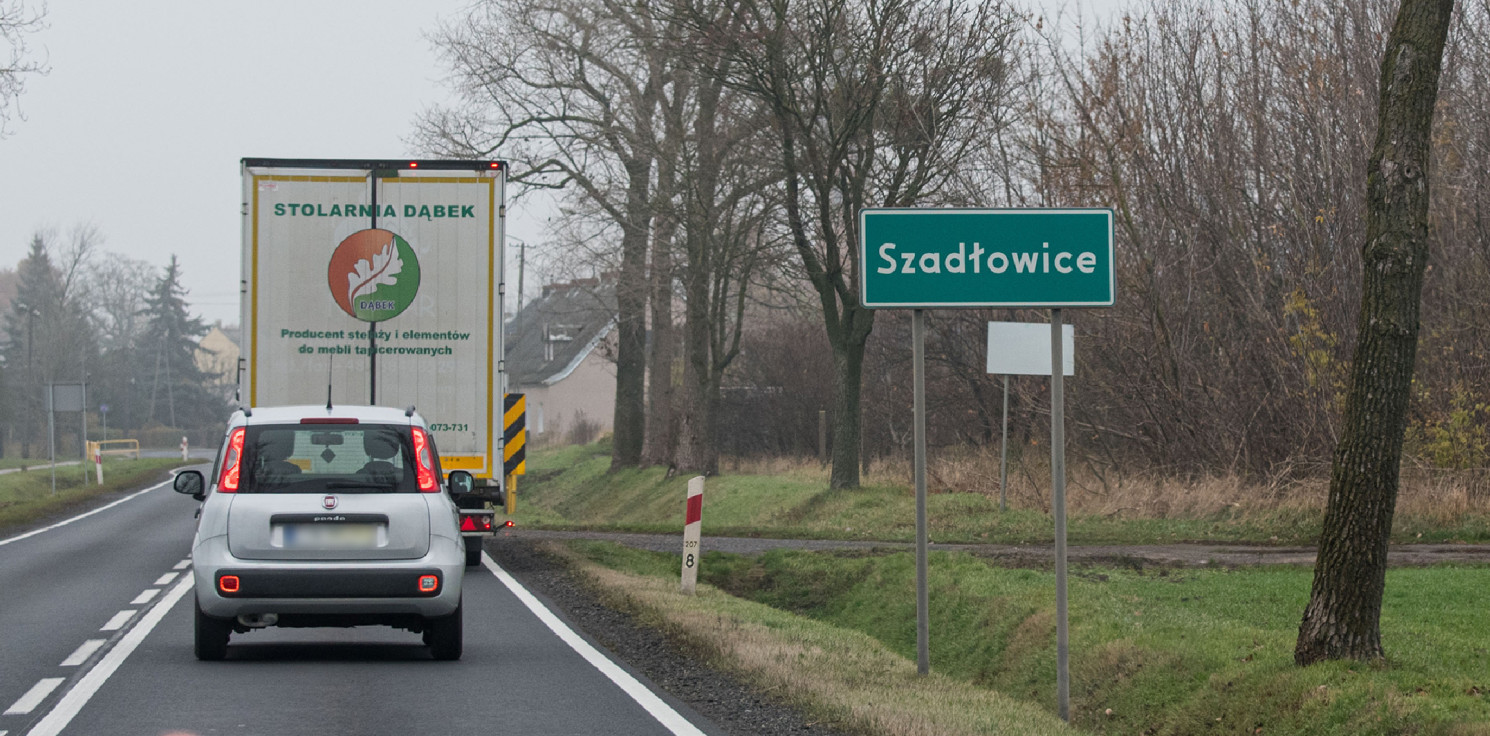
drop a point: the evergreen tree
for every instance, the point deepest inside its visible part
(29, 354)
(176, 389)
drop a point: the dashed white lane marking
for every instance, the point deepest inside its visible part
(145, 596)
(166, 578)
(34, 696)
(669, 718)
(83, 653)
(182, 565)
(73, 700)
(119, 620)
(98, 510)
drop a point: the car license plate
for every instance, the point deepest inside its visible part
(329, 536)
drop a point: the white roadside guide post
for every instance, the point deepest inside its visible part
(920, 259)
(183, 450)
(98, 461)
(693, 519)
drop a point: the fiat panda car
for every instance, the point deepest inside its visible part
(322, 516)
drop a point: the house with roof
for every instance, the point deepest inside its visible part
(560, 356)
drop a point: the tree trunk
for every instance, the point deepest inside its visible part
(661, 418)
(1342, 619)
(629, 423)
(848, 369)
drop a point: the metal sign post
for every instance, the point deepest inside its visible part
(1058, 509)
(923, 598)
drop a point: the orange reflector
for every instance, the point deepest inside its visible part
(428, 583)
(228, 583)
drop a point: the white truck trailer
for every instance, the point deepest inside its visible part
(379, 282)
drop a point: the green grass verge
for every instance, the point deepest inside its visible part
(1168, 652)
(573, 488)
(833, 674)
(26, 497)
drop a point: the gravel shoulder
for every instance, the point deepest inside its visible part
(731, 705)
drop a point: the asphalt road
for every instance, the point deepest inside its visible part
(96, 635)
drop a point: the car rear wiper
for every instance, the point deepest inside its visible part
(371, 485)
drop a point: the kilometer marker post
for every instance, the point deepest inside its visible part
(693, 520)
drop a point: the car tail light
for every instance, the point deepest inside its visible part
(429, 583)
(228, 584)
(232, 465)
(425, 462)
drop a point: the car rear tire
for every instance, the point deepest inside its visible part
(211, 636)
(443, 635)
(473, 552)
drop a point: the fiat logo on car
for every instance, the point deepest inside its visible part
(329, 502)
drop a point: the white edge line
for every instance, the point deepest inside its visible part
(84, 515)
(648, 700)
(34, 696)
(73, 700)
(82, 653)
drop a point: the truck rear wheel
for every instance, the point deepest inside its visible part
(473, 551)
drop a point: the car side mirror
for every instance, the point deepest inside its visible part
(191, 483)
(460, 482)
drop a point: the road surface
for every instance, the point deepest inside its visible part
(96, 638)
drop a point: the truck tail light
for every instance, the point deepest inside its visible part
(232, 465)
(475, 522)
(424, 460)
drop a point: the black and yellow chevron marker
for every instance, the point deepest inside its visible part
(514, 435)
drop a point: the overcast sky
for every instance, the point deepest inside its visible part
(139, 127)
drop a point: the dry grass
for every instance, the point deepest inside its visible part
(841, 676)
(1434, 494)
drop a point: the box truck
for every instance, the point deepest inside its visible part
(379, 282)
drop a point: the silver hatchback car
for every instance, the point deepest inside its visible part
(321, 516)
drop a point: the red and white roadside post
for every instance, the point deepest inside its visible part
(692, 522)
(183, 450)
(98, 461)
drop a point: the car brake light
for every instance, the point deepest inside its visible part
(329, 420)
(228, 583)
(429, 583)
(425, 463)
(232, 465)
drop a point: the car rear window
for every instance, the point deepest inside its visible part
(363, 458)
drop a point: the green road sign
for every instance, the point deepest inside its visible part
(935, 258)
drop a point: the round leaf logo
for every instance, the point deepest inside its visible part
(373, 275)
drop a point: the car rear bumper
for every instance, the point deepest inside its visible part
(381, 587)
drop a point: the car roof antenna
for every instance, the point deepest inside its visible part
(329, 358)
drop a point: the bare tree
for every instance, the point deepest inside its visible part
(569, 90)
(873, 104)
(16, 23)
(1342, 619)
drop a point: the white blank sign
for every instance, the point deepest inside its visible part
(1023, 349)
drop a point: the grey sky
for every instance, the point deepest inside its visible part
(149, 106)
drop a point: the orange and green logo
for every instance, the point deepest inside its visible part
(373, 275)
